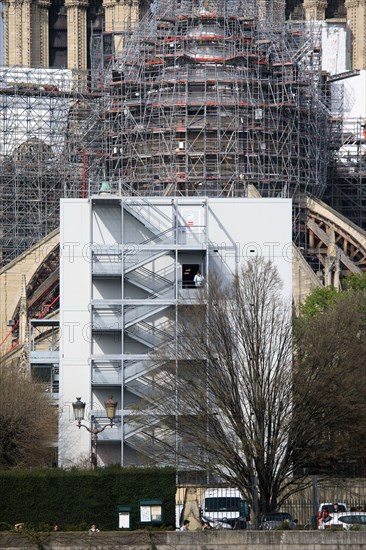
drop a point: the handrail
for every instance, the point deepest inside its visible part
(156, 275)
(150, 277)
(157, 236)
(148, 204)
(148, 328)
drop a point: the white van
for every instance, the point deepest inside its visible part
(225, 508)
(328, 513)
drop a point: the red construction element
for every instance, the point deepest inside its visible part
(10, 332)
(43, 312)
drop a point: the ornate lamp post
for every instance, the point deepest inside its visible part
(79, 409)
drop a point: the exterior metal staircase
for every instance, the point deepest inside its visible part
(134, 369)
(149, 215)
(160, 288)
(148, 335)
(134, 426)
(107, 318)
(153, 449)
(141, 387)
(154, 284)
(141, 258)
(135, 314)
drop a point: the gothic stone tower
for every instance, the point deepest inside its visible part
(356, 15)
(45, 33)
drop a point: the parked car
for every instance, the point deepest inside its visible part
(346, 520)
(278, 520)
(327, 508)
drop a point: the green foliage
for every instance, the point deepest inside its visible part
(285, 526)
(330, 384)
(322, 298)
(355, 281)
(77, 498)
(318, 301)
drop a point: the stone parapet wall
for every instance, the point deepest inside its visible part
(168, 540)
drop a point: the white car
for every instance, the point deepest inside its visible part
(347, 520)
(327, 509)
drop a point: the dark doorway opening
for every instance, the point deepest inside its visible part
(189, 271)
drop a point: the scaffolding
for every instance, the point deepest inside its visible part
(47, 134)
(208, 97)
(346, 191)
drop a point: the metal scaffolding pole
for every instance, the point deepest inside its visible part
(208, 97)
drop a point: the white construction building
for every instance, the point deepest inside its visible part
(126, 263)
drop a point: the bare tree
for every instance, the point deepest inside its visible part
(226, 386)
(240, 395)
(28, 420)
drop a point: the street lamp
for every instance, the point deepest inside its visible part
(79, 409)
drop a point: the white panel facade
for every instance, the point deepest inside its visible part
(355, 97)
(74, 323)
(354, 119)
(134, 261)
(336, 46)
